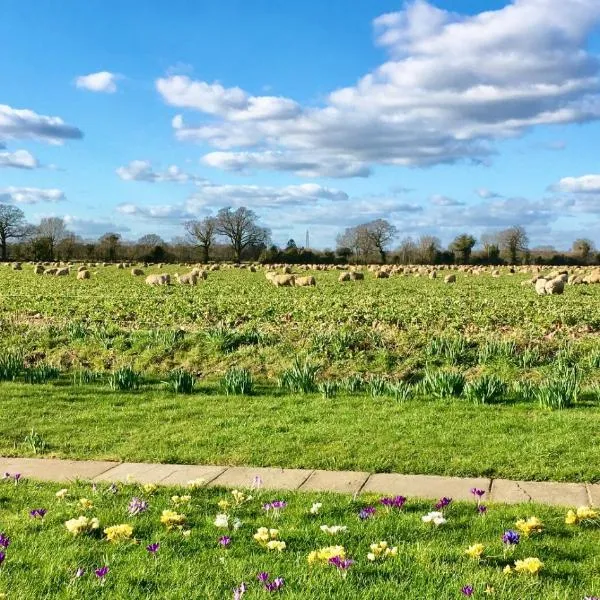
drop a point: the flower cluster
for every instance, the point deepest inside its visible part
(333, 529)
(529, 526)
(435, 517)
(38, 513)
(583, 513)
(137, 506)
(366, 513)
(270, 586)
(82, 525)
(269, 539)
(394, 502)
(171, 519)
(85, 504)
(118, 533)
(530, 565)
(324, 555)
(381, 551)
(179, 500)
(475, 551)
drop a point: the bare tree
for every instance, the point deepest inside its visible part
(513, 241)
(202, 234)
(359, 240)
(382, 233)
(53, 230)
(240, 227)
(12, 226)
(428, 248)
(583, 248)
(407, 251)
(462, 247)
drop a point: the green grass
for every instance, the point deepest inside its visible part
(43, 557)
(357, 432)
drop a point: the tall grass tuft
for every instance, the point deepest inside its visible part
(455, 350)
(443, 384)
(495, 349)
(400, 390)
(378, 386)
(125, 379)
(485, 389)
(11, 365)
(328, 389)
(561, 391)
(86, 376)
(237, 381)
(353, 383)
(40, 373)
(301, 377)
(181, 381)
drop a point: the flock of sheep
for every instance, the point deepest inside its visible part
(281, 275)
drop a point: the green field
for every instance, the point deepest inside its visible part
(430, 563)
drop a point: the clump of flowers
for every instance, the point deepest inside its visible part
(82, 524)
(137, 506)
(381, 551)
(224, 541)
(324, 555)
(101, 573)
(270, 586)
(275, 507)
(179, 500)
(315, 508)
(118, 533)
(240, 497)
(530, 565)
(333, 529)
(443, 503)
(171, 519)
(85, 504)
(467, 590)
(263, 535)
(196, 483)
(366, 513)
(341, 564)
(153, 548)
(583, 513)
(62, 494)
(222, 521)
(435, 517)
(393, 502)
(4, 541)
(239, 591)
(38, 513)
(149, 488)
(475, 551)
(529, 526)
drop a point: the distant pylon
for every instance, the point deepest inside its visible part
(307, 240)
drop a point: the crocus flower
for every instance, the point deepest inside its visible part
(80, 572)
(443, 502)
(467, 591)
(343, 564)
(239, 591)
(263, 576)
(395, 502)
(101, 572)
(4, 540)
(225, 541)
(137, 506)
(275, 585)
(257, 482)
(511, 538)
(38, 513)
(17, 477)
(366, 513)
(477, 492)
(153, 548)
(481, 509)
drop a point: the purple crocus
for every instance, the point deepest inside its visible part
(343, 564)
(153, 548)
(275, 506)
(239, 591)
(481, 509)
(137, 506)
(394, 502)
(443, 503)
(510, 538)
(4, 540)
(263, 577)
(468, 591)
(2, 557)
(275, 585)
(38, 513)
(366, 513)
(80, 572)
(17, 477)
(478, 493)
(257, 482)
(101, 572)
(225, 540)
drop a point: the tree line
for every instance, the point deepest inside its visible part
(237, 235)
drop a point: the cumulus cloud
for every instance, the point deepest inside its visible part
(586, 184)
(102, 81)
(27, 124)
(93, 227)
(440, 200)
(487, 194)
(30, 195)
(429, 103)
(155, 211)
(141, 170)
(19, 159)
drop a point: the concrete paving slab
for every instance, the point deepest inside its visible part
(594, 493)
(270, 478)
(186, 473)
(544, 492)
(349, 482)
(54, 469)
(137, 473)
(425, 486)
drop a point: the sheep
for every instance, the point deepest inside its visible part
(305, 281)
(187, 278)
(38, 269)
(81, 268)
(283, 280)
(50, 271)
(137, 272)
(17, 267)
(433, 274)
(344, 276)
(356, 276)
(163, 279)
(540, 286)
(382, 275)
(450, 278)
(555, 286)
(83, 274)
(62, 272)
(495, 273)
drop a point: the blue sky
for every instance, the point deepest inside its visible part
(441, 116)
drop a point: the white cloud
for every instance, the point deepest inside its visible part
(584, 184)
(487, 194)
(431, 102)
(102, 81)
(93, 227)
(30, 195)
(141, 170)
(440, 200)
(27, 124)
(19, 159)
(164, 211)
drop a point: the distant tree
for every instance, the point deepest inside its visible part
(513, 241)
(291, 244)
(583, 248)
(491, 247)
(202, 233)
(12, 226)
(150, 240)
(382, 233)
(407, 251)
(344, 253)
(67, 247)
(462, 246)
(241, 228)
(108, 246)
(428, 249)
(53, 230)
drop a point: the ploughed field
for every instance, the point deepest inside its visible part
(482, 376)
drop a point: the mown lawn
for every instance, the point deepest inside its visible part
(42, 557)
(357, 432)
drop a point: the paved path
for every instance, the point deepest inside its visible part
(353, 482)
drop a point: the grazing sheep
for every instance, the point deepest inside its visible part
(450, 278)
(287, 270)
(187, 278)
(163, 279)
(555, 286)
(344, 276)
(382, 275)
(283, 280)
(50, 271)
(17, 267)
(433, 275)
(540, 286)
(38, 269)
(495, 273)
(83, 275)
(305, 281)
(356, 276)
(62, 272)
(137, 272)
(81, 268)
